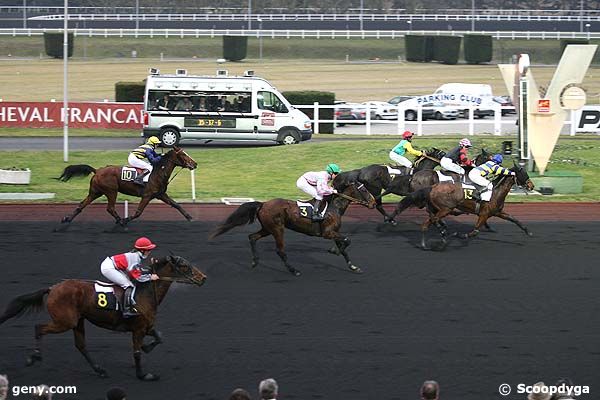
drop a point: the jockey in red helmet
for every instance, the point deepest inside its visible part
(398, 152)
(126, 268)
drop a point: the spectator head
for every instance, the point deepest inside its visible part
(116, 393)
(562, 392)
(268, 389)
(240, 394)
(430, 390)
(3, 387)
(540, 392)
(43, 393)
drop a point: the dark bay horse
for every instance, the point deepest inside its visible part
(427, 178)
(277, 214)
(107, 181)
(71, 302)
(376, 178)
(443, 198)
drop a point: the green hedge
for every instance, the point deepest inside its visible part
(446, 49)
(235, 48)
(129, 92)
(53, 44)
(309, 97)
(478, 48)
(419, 48)
(565, 42)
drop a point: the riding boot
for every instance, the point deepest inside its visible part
(139, 179)
(477, 194)
(129, 309)
(316, 216)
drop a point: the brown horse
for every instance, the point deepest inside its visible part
(107, 181)
(443, 198)
(277, 214)
(71, 302)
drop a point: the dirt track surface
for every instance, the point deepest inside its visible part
(157, 211)
(503, 308)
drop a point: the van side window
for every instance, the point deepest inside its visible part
(270, 101)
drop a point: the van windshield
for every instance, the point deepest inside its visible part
(199, 101)
(270, 101)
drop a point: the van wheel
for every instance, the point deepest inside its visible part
(410, 115)
(289, 137)
(169, 137)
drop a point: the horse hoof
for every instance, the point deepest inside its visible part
(254, 264)
(529, 233)
(295, 272)
(188, 217)
(101, 372)
(355, 269)
(65, 220)
(35, 357)
(148, 377)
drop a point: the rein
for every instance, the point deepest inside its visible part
(345, 196)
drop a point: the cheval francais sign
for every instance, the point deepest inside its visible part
(81, 115)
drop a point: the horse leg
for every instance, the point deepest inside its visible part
(41, 330)
(83, 204)
(342, 242)
(110, 207)
(143, 203)
(253, 238)
(487, 226)
(138, 341)
(147, 348)
(79, 334)
(508, 217)
(165, 198)
(278, 235)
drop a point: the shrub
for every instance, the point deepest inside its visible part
(309, 97)
(478, 48)
(53, 44)
(235, 48)
(130, 92)
(419, 48)
(446, 49)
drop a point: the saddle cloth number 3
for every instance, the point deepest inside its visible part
(106, 301)
(306, 211)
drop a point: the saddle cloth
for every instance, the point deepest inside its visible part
(306, 208)
(468, 192)
(130, 173)
(398, 170)
(444, 178)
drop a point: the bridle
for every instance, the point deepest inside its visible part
(354, 200)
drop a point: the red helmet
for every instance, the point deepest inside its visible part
(144, 243)
(407, 135)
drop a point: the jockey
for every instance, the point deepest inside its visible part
(316, 185)
(397, 153)
(143, 157)
(478, 175)
(456, 158)
(124, 268)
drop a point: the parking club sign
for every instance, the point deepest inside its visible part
(543, 106)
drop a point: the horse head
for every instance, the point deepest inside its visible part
(483, 157)
(178, 267)
(435, 153)
(359, 192)
(180, 158)
(522, 177)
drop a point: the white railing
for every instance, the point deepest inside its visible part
(587, 17)
(470, 126)
(291, 33)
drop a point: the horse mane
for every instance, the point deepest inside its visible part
(164, 158)
(436, 153)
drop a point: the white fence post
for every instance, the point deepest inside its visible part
(419, 121)
(401, 121)
(573, 123)
(368, 119)
(126, 209)
(316, 117)
(471, 120)
(193, 177)
(497, 119)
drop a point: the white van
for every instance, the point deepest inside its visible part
(184, 107)
(466, 94)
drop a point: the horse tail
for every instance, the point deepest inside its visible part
(245, 214)
(75, 170)
(23, 304)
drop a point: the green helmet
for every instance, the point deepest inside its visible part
(333, 169)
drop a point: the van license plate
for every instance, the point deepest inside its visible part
(211, 123)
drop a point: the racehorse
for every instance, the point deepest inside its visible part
(277, 214)
(427, 178)
(107, 181)
(441, 199)
(376, 178)
(71, 302)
